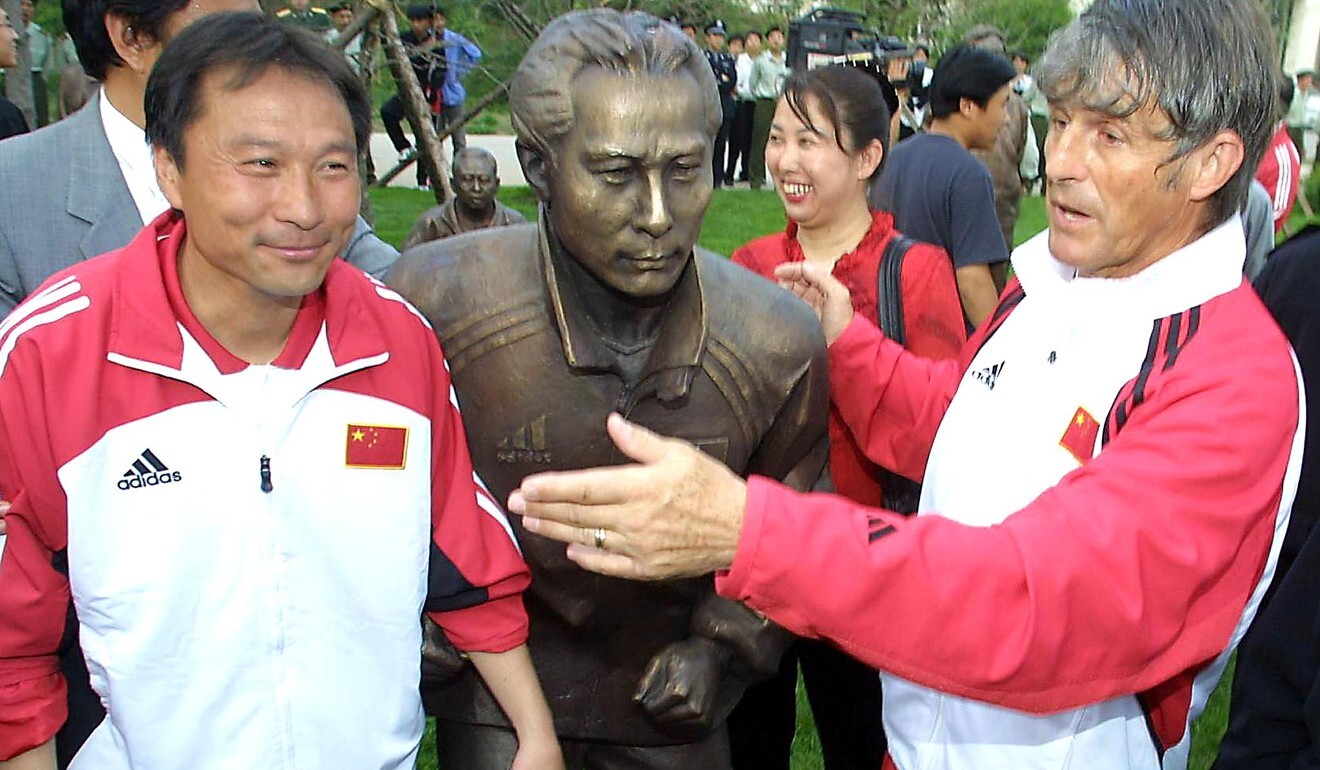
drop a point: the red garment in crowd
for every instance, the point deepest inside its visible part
(1280, 171)
(932, 315)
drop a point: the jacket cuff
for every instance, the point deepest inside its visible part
(734, 583)
(31, 712)
(498, 625)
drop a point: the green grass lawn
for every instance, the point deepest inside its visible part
(735, 217)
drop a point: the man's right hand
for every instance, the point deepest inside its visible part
(828, 297)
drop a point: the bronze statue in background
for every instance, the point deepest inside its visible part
(605, 304)
(476, 182)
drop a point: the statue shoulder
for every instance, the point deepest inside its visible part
(452, 278)
(754, 316)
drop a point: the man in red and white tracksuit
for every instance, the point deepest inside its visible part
(247, 519)
(209, 522)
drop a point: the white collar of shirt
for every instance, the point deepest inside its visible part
(1194, 274)
(129, 144)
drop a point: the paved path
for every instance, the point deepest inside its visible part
(383, 153)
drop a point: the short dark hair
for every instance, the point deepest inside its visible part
(85, 21)
(967, 72)
(738, 38)
(420, 11)
(247, 45)
(773, 29)
(849, 98)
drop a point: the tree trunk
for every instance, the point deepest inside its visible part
(415, 107)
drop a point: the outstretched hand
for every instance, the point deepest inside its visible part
(822, 291)
(675, 513)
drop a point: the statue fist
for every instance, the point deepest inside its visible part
(440, 660)
(680, 685)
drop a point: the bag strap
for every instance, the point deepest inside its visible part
(889, 296)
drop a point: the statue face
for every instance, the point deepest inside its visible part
(475, 184)
(630, 182)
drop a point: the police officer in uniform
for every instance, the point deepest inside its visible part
(725, 68)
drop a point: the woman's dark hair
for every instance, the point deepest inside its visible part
(85, 21)
(967, 72)
(247, 45)
(849, 99)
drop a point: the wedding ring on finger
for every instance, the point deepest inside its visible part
(599, 535)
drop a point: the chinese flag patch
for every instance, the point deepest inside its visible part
(1079, 438)
(375, 446)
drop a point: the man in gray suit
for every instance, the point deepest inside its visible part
(86, 185)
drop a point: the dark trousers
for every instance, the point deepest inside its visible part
(761, 120)
(740, 139)
(477, 747)
(845, 702)
(40, 99)
(392, 114)
(722, 142)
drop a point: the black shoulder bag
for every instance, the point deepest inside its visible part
(898, 493)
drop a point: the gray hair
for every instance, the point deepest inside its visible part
(623, 43)
(1206, 65)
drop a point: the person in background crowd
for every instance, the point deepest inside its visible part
(41, 52)
(766, 81)
(341, 16)
(460, 55)
(689, 29)
(938, 192)
(305, 15)
(428, 64)
(1280, 170)
(231, 316)
(828, 139)
(12, 121)
(476, 184)
(1005, 158)
(1300, 118)
(1108, 468)
(740, 140)
(725, 68)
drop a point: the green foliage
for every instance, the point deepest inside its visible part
(47, 13)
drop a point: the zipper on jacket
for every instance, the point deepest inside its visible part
(266, 485)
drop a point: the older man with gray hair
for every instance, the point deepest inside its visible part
(1108, 470)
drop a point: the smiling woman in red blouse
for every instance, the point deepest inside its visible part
(828, 140)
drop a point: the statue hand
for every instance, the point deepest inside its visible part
(680, 684)
(440, 660)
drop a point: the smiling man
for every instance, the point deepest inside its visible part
(605, 303)
(1108, 470)
(238, 459)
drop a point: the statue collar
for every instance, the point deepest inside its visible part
(675, 356)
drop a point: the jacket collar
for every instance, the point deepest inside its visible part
(98, 194)
(676, 355)
(1190, 276)
(150, 317)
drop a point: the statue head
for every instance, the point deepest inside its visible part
(476, 181)
(616, 114)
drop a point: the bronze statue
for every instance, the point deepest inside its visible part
(476, 182)
(605, 304)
